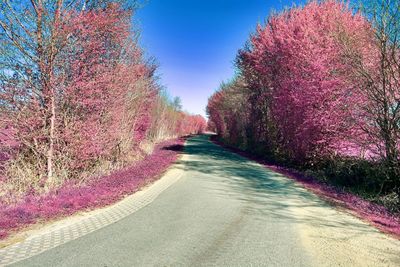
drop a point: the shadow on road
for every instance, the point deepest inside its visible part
(265, 192)
(174, 148)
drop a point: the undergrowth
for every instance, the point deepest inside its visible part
(363, 178)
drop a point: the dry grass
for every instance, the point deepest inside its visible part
(25, 175)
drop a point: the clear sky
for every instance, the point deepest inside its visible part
(196, 41)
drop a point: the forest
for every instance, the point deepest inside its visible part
(317, 89)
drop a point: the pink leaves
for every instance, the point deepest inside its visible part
(104, 65)
(191, 124)
(296, 82)
(98, 111)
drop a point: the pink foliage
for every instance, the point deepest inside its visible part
(214, 111)
(94, 107)
(311, 96)
(191, 124)
(99, 192)
(297, 93)
(304, 100)
(100, 82)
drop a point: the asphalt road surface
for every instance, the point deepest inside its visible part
(228, 211)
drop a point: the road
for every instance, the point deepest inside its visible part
(228, 211)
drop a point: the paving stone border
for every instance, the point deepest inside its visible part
(88, 223)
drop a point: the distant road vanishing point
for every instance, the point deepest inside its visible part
(225, 210)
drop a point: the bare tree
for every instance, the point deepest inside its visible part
(31, 40)
(32, 33)
(375, 63)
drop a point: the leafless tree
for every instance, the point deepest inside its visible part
(377, 73)
(30, 42)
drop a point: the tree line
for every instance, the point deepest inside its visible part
(78, 97)
(318, 88)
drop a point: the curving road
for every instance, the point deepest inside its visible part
(228, 211)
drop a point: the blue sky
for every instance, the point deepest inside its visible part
(195, 42)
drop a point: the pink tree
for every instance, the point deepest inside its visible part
(99, 104)
(109, 90)
(298, 56)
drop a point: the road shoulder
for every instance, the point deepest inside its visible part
(36, 241)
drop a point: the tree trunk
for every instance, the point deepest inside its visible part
(50, 153)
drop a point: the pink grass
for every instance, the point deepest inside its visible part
(376, 215)
(101, 192)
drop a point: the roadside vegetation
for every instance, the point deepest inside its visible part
(78, 98)
(97, 192)
(317, 89)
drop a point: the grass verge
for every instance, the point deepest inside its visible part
(100, 192)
